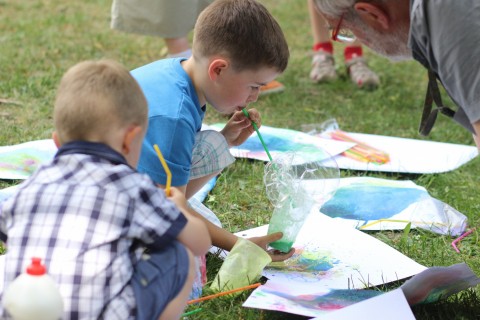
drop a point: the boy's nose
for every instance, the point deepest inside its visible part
(253, 97)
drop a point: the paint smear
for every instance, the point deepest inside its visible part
(333, 300)
(371, 202)
(306, 261)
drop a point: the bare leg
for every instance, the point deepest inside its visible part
(194, 185)
(177, 306)
(323, 64)
(318, 24)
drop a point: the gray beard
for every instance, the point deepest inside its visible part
(394, 46)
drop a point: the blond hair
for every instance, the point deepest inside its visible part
(94, 97)
(243, 31)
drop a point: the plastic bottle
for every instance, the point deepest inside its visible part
(289, 218)
(33, 295)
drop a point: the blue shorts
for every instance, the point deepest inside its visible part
(158, 278)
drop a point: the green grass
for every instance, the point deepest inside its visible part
(39, 40)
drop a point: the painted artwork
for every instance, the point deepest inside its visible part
(20, 161)
(331, 266)
(381, 204)
(437, 283)
(391, 305)
(408, 155)
(330, 255)
(279, 141)
(277, 297)
(405, 155)
(334, 266)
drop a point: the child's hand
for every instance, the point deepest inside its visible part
(239, 127)
(276, 255)
(177, 197)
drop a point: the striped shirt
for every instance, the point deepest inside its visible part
(87, 214)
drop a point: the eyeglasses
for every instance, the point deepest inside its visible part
(342, 35)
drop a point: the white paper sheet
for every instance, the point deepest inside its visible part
(406, 155)
(391, 305)
(381, 204)
(333, 256)
(280, 140)
(409, 155)
(21, 160)
(430, 285)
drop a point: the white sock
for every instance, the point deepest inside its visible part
(184, 54)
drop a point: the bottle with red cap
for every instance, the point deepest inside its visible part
(33, 295)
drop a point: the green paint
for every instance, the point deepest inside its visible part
(283, 246)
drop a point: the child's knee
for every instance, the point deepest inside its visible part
(211, 154)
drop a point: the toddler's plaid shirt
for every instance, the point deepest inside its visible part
(87, 214)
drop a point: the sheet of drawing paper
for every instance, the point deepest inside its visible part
(380, 204)
(21, 160)
(285, 140)
(391, 305)
(330, 255)
(409, 155)
(438, 283)
(406, 155)
(278, 297)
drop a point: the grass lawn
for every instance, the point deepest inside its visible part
(39, 40)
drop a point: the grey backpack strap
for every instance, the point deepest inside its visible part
(433, 95)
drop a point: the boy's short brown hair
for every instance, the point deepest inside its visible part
(94, 97)
(243, 31)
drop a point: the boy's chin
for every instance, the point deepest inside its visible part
(226, 111)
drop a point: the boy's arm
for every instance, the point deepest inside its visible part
(219, 237)
(222, 238)
(195, 235)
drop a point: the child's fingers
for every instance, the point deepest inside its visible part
(280, 256)
(273, 237)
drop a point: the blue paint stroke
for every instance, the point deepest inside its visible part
(282, 140)
(371, 202)
(333, 300)
(315, 264)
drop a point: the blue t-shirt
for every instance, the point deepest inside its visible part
(174, 118)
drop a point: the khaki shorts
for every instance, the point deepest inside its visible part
(161, 18)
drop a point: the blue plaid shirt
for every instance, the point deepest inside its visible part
(87, 214)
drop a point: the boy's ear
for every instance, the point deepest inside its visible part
(56, 140)
(373, 15)
(131, 134)
(216, 67)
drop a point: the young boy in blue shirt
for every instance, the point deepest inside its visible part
(237, 47)
(89, 215)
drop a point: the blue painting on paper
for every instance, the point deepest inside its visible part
(365, 201)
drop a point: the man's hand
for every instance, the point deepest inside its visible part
(276, 255)
(239, 127)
